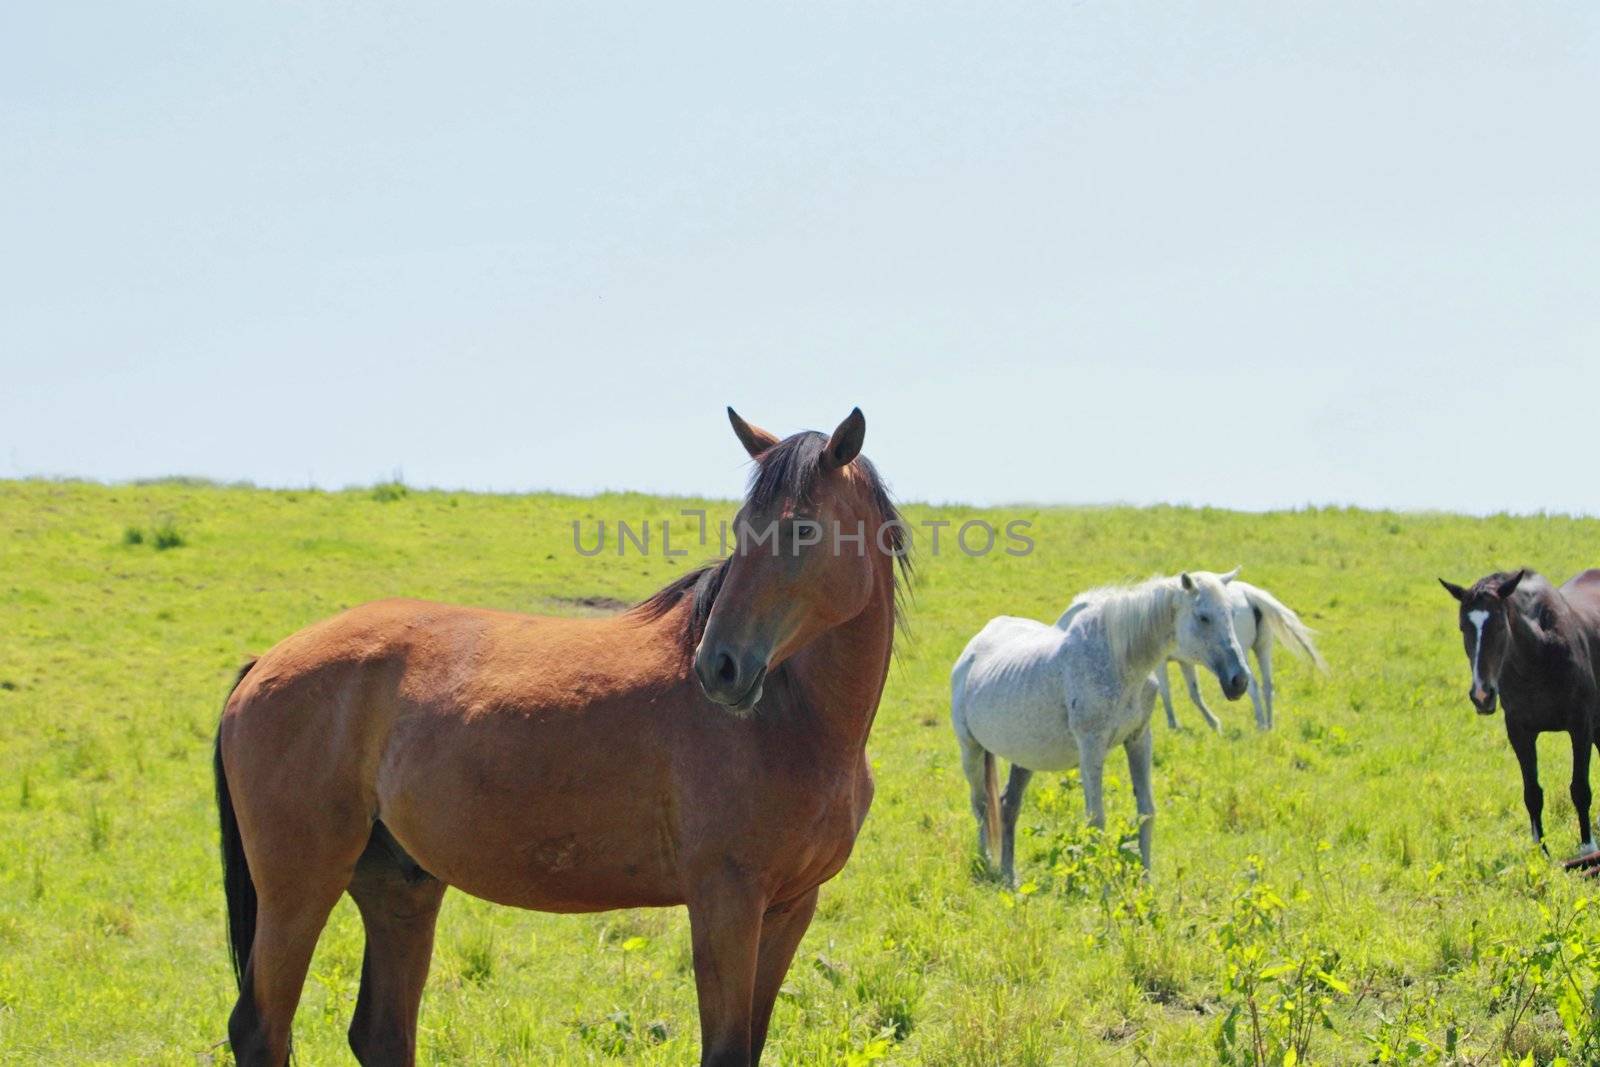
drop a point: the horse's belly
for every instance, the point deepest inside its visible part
(542, 865)
(565, 873)
(1041, 755)
(1036, 738)
(532, 825)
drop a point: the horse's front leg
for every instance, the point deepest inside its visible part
(725, 913)
(1139, 748)
(1164, 687)
(1581, 796)
(1524, 744)
(1091, 770)
(1192, 682)
(781, 930)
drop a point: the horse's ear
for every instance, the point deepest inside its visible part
(1231, 575)
(1453, 589)
(1509, 586)
(1186, 581)
(754, 438)
(845, 444)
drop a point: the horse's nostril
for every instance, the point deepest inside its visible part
(726, 671)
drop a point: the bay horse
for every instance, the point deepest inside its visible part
(1260, 619)
(705, 748)
(1049, 698)
(1535, 650)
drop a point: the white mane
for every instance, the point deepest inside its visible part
(1136, 617)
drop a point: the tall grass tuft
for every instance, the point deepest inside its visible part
(477, 958)
(99, 823)
(390, 491)
(166, 534)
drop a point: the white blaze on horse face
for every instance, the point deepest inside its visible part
(1477, 618)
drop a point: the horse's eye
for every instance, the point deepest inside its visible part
(1205, 620)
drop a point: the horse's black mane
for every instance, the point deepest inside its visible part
(1531, 579)
(1535, 592)
(789, 470)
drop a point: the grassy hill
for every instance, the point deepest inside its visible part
(1377, 833)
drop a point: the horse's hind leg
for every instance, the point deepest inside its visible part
(302, 831)
(1010, 808)
(978, 765)
(290, 916)
(1264, 660)
(399, 904)
(1582, 796)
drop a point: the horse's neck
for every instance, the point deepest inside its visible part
(1151, 648)
(841, 673)
(1550, 612)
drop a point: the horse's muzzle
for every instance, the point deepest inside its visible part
(730, 678)
(1235, 685)
(1483, 700)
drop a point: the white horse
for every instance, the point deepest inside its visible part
(1259, 618)
(1049, 698)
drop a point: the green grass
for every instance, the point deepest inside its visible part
(1386, 815)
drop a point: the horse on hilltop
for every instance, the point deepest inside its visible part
(705, 748)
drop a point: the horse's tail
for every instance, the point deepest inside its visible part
(991, 799)
(1285, 626)
(237, 885)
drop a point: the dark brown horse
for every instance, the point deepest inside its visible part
(1536, 650)
(706, 748)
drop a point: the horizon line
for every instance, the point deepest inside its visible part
(193, 481)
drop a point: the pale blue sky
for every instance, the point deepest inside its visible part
(1248, 255)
